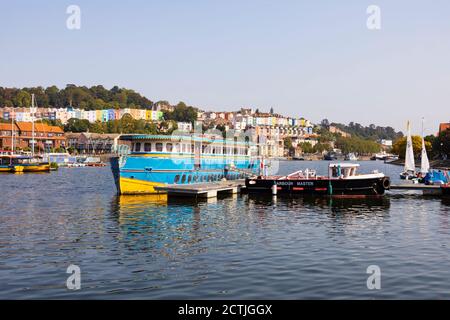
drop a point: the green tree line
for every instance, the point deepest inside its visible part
(93, 98)
(371, 132)
(125, 125)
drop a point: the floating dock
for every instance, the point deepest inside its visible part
(431, 190)
(213, 189)
(203, 190)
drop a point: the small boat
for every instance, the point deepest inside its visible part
(12, 163)
(33, 164)
(342, 180)
(298, 158)
(94, 162)
(409, 171)
(351, 157)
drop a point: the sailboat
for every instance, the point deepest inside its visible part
(33, 163)
(424, 163)
(409, 171)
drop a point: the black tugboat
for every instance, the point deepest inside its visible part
(342, 180)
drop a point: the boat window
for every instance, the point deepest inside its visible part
(177, 179)
(183, 148)
(147, 147)
(203, 149)
(195, 178)
(183, 179)
(190, 179)
(192, 148)
(159, 146)
(169, 147)
(137, 147)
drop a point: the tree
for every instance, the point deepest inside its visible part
(442, 144)
(22, 99)
(325, 123)
(181, 113)
(321, 147)
(306, 147)
(77, 125)
(399, 146)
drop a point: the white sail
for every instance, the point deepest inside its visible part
(409, 157)
(425, 164)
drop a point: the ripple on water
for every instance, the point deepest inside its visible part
(242, 247)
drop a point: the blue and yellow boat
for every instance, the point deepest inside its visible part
(10, 164)
(158, 160)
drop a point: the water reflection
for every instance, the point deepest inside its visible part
(152, 223)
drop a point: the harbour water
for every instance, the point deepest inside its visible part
(240, 247)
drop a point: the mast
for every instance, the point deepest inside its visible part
(32, 124)
(409, 156)
(12, 135)
(425, 164)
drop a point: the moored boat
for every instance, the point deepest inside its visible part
(158, 160)
(351, 157)
(342, 180)
(409, 171)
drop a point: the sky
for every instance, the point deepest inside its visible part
(315, 59)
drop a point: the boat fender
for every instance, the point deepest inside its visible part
(386, 184)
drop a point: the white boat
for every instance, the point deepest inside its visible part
(409, 171)
(351, 157)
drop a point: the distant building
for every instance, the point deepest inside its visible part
(45, 136)
(443, 127)
(184, 126)
(91, 143)
(386, 143)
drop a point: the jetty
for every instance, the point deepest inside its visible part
(203, 190)
(432, 190)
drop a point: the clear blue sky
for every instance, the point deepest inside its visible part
(309, 58)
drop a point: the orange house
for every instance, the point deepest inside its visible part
(45, 136)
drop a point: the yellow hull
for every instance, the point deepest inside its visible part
(17, 169)
(37, 168)
(12, 169)
(134, 186)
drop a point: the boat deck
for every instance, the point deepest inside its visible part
(203, 190)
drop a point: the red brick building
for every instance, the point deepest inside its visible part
(45, 136)
(443, 127)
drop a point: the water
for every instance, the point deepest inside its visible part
(240, 247)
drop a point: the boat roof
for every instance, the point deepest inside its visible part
(179, 138)
(344, 165)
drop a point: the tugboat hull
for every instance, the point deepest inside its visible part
(333, 187)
